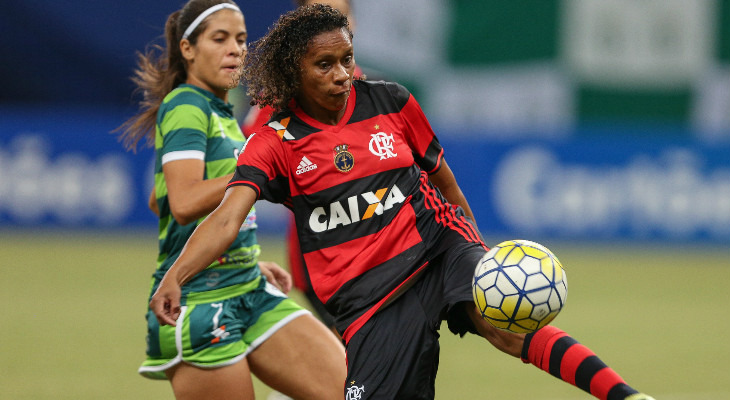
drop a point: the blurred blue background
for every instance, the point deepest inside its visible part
(598, 120)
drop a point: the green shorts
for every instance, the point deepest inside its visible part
(219, 333)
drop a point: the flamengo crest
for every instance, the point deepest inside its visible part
(354, 392)
(381, 144)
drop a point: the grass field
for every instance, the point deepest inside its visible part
(72, 321)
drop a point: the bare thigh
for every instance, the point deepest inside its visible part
(303, 360)
(232, 382)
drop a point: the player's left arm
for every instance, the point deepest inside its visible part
(445, 181)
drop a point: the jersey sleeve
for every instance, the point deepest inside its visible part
(183, 126)
(422, 140)
(255, 119)
(262, 166)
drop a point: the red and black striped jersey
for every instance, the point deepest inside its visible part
(366, 214)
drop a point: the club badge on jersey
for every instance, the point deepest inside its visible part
(344, 160)
(381, 145)
(354, 392)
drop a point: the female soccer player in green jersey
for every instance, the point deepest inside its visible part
(233, 322)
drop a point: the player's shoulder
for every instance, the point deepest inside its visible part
(186, 95)
(384, 90)
(265, 135)
(265, 144)
(288, 126)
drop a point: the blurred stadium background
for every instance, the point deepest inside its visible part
(600, 128)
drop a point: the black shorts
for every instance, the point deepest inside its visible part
(395, 354)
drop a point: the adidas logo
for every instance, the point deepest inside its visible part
(305, 166)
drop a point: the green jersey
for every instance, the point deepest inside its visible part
(192, 123)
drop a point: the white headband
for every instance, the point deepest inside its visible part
(205, 15)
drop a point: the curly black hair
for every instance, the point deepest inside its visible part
(272, 67)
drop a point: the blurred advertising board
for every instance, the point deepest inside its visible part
(61, 168)
(596, 189)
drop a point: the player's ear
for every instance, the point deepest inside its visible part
(187, 50)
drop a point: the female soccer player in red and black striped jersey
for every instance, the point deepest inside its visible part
(387, 235)
(257, 117)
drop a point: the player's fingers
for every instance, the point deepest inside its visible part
(164, 312)
(269, 275)
(168, 317)
(285, 283)
(174, 311)
(282, 280)
(276, 275)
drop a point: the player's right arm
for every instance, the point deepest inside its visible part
(191, 197)
(184, 121)
(209, 240)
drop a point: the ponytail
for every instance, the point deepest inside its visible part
(160, 70)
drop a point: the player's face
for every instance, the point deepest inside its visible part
(326, 77)
(215, 63)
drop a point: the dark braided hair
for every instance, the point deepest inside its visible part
(272, 67)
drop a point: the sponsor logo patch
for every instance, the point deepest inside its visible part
(349, 211)
(305, 166)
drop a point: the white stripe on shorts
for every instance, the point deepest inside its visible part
(256, 343)
(178, 346)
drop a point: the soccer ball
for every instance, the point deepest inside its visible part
(519, 286)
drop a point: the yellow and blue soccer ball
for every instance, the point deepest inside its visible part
(519, 286)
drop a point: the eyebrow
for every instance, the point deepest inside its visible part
(245, 33)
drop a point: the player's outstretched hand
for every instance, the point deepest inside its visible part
(165, 303)
(276, 275)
